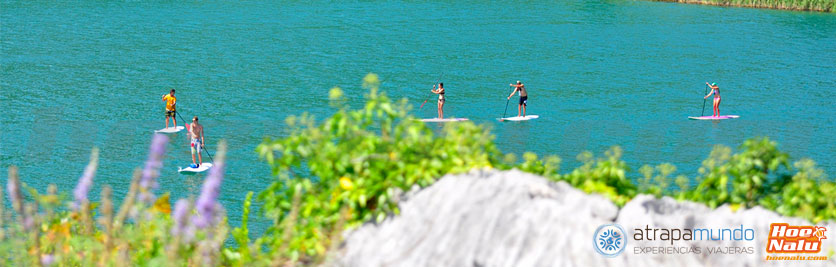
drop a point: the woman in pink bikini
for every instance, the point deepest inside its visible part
(716, 91)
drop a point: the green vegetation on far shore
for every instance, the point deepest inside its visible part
(802, 5)
(352, 168)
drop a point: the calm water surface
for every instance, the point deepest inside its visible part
(599, 73)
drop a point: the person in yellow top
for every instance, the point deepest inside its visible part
(170, 108)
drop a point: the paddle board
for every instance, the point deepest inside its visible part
(170, 129)
(723, 117)
(443, 120)
(202, 168)
(517, 118)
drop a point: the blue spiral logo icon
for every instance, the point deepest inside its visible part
(609, 240)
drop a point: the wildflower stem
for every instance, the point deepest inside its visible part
(13, 186)
(106, 220)
(128, 203)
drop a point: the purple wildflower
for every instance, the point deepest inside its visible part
(181, 210)
(86, 180)
(47, 259)
(16, 197)
(28, 219)
(148, 181)
(13, 187)
(207, 203)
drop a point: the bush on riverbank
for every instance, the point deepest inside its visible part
(804, 5)
(352, 168)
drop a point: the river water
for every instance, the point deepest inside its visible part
(599, 73)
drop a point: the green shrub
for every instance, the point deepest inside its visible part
(753, 168)
(606, 176)
(808, 194)
(353, 166)
(760, 175)
(713, 183)
(547, 167)
(657, 185)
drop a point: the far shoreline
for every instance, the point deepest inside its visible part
(784, 5)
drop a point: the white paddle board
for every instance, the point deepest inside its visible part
(723, 117)
(518, 118)
(170, 129)
(202, 168)
(443, 120)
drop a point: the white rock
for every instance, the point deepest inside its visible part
(511, 218)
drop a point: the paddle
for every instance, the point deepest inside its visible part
(431, 94)
(208, 154)
(703, 100)
(181, 117)
(506, 107)
(204, 147)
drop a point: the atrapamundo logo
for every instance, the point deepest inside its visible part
(609, 240)
(784, 238)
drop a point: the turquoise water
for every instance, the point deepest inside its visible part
(599, 73)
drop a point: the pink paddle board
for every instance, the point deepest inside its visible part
(723, 117)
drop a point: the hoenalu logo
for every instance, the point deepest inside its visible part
(784, 238)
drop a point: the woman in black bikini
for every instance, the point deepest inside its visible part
(441, 99)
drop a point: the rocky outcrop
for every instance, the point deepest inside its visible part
(511, 218)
